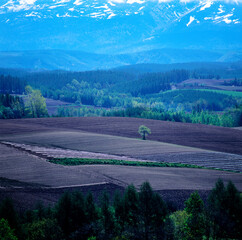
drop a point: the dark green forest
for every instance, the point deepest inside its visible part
(128, 215)
(119, 93)
(11, 107)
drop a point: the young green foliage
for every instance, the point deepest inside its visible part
(144, 131)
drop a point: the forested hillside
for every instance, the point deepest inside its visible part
(154, 95)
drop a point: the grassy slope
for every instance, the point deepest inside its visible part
(230, 93)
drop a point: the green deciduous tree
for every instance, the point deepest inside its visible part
(45, 229)
(144, 131)
(35, 103)
(179, 219)
(6, 233)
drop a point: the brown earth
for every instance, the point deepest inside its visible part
(79, 144)
(210, 83)
(67, 133)
(194, 135)
(36, 179)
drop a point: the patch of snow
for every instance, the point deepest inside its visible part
(97, 15)
(135, 1)
(62, 16)
(78, 2)
(56, 6)
(32, 14)
(191, 20)
(63, 1)
(226, 20)
(208, 4)
(22, 5)
(220, 10)
(104, 6)
(111, 15)
(141, 8)
(148, 39)
(222, 18)
(111, 3)
(175, 14)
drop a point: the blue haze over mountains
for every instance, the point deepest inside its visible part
(86, 35)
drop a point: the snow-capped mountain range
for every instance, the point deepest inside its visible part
(170, 11)
(120, 26)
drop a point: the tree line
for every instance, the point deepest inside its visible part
(32, 105)
(122, 94)
(141, 215)
(11, 107)
(231, 118)
(235, 82)
(9, 84)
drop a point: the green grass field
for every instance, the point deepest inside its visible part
(230, 93)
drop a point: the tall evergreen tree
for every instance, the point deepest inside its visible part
(107, 218)
(195, 223)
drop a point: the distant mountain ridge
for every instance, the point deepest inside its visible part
(120, 26)
(82, 61)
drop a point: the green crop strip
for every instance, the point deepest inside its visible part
(87, 161)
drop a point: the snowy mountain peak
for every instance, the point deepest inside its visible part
(120, 25)
(173, 10)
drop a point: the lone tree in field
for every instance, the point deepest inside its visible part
(143, 131)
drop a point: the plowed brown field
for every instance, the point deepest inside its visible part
(170, 142)
(193, 135)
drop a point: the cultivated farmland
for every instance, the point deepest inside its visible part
(193, 135)
(31, 141)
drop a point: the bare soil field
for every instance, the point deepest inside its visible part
(193, 135)
(52, 105)
(41, 180)
(171, 142)
(22, 166)
(67, 144)
(211, 83)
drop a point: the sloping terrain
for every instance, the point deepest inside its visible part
(33, 139)
(21, 166)
(70, 144)
(193, 135)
